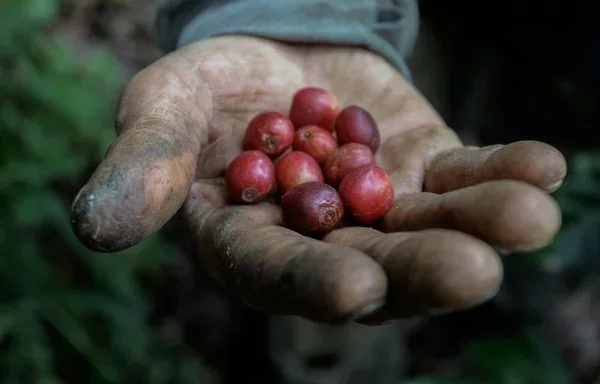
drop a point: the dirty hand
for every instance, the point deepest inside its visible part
(180, 123)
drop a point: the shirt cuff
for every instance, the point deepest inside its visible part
(386, 27)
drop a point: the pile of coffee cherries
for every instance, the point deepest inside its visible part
(321, 160)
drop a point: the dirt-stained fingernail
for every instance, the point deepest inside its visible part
(361, 313)
(554, 187)
(367, 310)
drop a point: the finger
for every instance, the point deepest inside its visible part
(509, 214)
(407, 155)
(278, 270)
(427, 271)
(147, 171)
(530, 161)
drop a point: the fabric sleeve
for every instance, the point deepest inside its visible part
(386, 27)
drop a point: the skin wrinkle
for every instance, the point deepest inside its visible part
(215, 157)
(170, 109)
(520, 160)
(518, 217)
(416, 273)
(410, 260)
(481, 159)
(389, 253)
(405, 181)
(256, 95)
(353, 87)
(385, 93)
(339, 285)
(172, 178)
(401, 212)
(372, 245)
(512, 214)
(149, 205)
(218, 259)
(473, 175)
(422, 142)
(273, 255)
(537, 172)
(471, 160)
(278, 278)
(400, 155)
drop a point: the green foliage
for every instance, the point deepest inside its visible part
(67, 315)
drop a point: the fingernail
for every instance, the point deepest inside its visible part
(554, 187)
(83, 204)
(361, 313)
(502, 251)
(491, 294)
(366, 310)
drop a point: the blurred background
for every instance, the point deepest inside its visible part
(149, 315)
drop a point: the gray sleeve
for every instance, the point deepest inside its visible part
(387, 27)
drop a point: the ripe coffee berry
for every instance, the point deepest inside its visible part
(295, 168)
(316, 141)
(250, 177)
(356, 125)
(313, 106)
(344, 159)
(269, 132)
(368, 193)
(312, 208)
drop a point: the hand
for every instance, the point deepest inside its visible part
(180, 123)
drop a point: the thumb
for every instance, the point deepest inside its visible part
(148, 170)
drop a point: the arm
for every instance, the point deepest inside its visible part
(387, 27)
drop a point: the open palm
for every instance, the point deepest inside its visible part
(181, 121)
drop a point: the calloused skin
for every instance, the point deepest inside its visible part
(181, 121)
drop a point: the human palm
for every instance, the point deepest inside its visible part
(181, 121)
